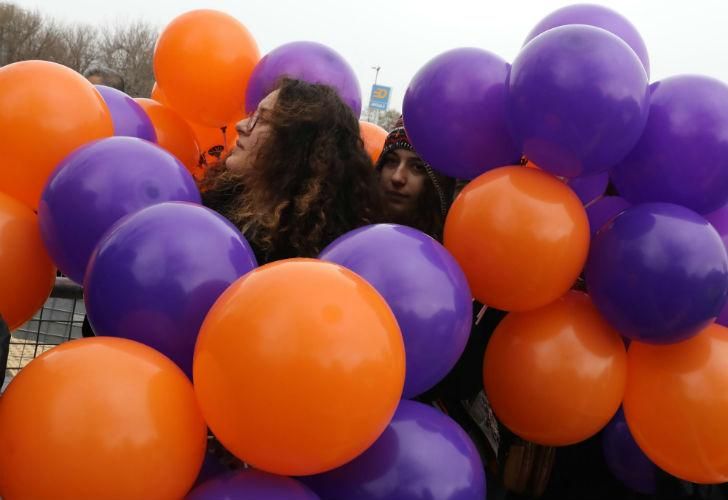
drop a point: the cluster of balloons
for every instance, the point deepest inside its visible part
(577, 103)
(297, 367)
(304, 367)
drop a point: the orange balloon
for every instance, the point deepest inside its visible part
(203, 61)
(102, 418)
(174, 134)
(520, 235)
(555, 376)
(158, 95)
(676, 404)
(26, 268)
(215, 143)
(299, 367)
(46, 111)
(373, 136)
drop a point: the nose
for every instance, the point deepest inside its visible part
(242, 126)
(399, 176)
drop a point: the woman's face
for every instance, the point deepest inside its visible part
(402, 180)
(252, 133)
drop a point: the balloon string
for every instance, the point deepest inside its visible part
(480, 315)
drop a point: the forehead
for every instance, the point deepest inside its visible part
(269, 101)
(405, 154)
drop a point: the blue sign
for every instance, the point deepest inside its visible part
(379, 98)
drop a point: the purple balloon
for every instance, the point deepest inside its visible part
(308, 61)
(719, 220)
(658, 273)
(97, 185)
(625, 459)
(603, 210)
(424, 286)
(601, 17)
(578, 100)
(211, 467)
(249, 484)
(127, 115)
(454, 111)
(589, 187)
(155, 275)
(682, 157)
(422, 455)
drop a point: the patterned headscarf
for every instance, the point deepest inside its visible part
(444, 186)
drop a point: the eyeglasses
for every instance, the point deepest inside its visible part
(250, 124)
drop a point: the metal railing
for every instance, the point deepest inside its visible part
(59, 320)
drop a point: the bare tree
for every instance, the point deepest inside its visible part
(29, 35)
(388, 119)
(81, 45)
(128, 49)
(19, 33)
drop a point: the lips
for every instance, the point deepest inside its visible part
(394, 195)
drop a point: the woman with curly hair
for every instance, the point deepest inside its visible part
(299, 176)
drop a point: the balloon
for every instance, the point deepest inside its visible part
(174, 134)
(249, 484)
(128, 116)
(520, 235)
(422, 455)
(299, 367)
(215, 143)
(27, 272)
(676, 404)
(158, 95)
(589, 187)
(373, 136)
(46, 111)
(308, 61)
(156, 274)
(119, 420)
(455, 113)
(719, 220)
(96, 186)
(603, 210)
(212, 467)
(624, 458)
(555, 376)
(425, 288)
(203, 60)
(578, 100)
(682, 157)
(658, 273)
(601, 17)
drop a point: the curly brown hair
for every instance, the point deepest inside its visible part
(310, 182)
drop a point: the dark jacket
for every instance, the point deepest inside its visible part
(4, 349)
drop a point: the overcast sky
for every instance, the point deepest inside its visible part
(401, 35)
